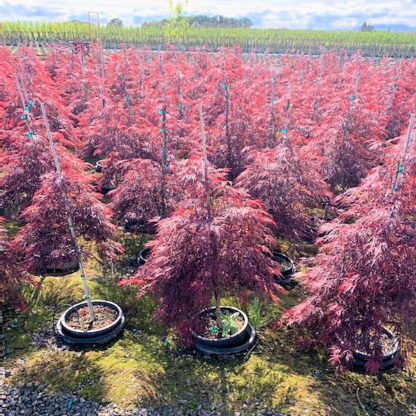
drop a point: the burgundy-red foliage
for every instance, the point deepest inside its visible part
(11, 274)
(305, 119)
(24, 161)
(287, 185)
(45, 239)
(364, 277)
(138, 196)
(208, 248)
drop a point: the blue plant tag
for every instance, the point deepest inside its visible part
(69, 404)
(213, 330)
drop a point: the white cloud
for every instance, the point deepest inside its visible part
(266, 13)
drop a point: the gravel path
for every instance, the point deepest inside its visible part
(35, 400)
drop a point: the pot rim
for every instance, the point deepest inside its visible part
(393, 350)
(92, 331)
(200, 337)
(284, 256)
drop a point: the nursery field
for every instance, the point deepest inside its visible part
(215, 233)
(375, 44)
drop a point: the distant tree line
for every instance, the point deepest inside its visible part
(208, 21)
(367, 27)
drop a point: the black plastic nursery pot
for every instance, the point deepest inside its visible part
(98, 166)
(134, 225)
(104, 335)
(234, 344)
(143, 255)
(361, 358)
(105, 189)
(60, 268)
(287, 264)
(287, 269)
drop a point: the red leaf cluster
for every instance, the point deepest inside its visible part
(364, 277)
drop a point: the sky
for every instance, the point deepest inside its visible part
(293, 14)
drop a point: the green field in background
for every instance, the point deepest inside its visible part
(377, 43)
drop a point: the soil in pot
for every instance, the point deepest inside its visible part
(210, 328)
(285, 265)
(80, 319)
(387, 344)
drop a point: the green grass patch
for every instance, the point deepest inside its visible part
(142, 368)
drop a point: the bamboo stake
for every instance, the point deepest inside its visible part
(164, 141)
(225, 86)
(26, 112)
(400, 164)
(287, 115)
(272, 112)
(204, 153)
(213, 239)
(68, 212)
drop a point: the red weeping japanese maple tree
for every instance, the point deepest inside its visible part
(364, 277)
(287, 185)
(138, 198)
(24, 160)
(45, 240)
(215, 243)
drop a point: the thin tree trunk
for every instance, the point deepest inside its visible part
(69, 214)
(213, 240)
(218, 313)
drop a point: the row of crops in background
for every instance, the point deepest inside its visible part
(378, 43)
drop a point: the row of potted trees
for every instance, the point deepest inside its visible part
(214, 236)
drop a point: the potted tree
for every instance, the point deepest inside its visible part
(138, 199)
(64, 200)
(213, 244)
(364, 277)
(289, 187)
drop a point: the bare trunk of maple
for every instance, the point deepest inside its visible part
(212, 237)
(218, 314)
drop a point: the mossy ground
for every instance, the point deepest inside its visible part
(145, 366)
